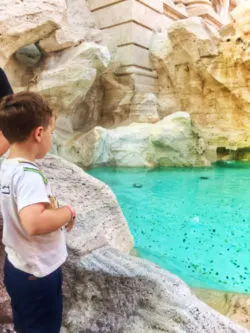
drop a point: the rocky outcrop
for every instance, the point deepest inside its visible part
(241, 19)
(68, 80)
(23, 23)
(234, 306)
(51, 48)
(78, 25)
(100, 221)
(207, 76)
(173, 141)
(114, 292)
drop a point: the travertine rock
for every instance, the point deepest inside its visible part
(78, 25)
(144, 108)
(114, 292)
(242, 20)
(26, 22)
(68, 80)
(100, 221)
(208, 77)
(234, 306)
(173, 141)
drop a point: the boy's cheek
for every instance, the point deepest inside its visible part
(4, 144)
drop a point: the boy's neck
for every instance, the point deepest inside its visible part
(22, 151)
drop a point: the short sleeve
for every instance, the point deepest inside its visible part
(29, 188)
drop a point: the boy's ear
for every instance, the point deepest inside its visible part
(38, 133)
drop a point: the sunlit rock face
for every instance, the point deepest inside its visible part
(173, 141)
(52, 47)
(208, 76)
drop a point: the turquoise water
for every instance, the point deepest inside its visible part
(193, 222)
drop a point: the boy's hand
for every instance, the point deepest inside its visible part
(71, 224)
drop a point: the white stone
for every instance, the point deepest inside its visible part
(68, 79)
(77, 26)
(100, 221)
(26, 22)
(114, 292)
(172, 141)
(241, 16)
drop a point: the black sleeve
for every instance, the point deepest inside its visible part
(5, 87)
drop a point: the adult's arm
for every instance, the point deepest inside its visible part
(5, 87)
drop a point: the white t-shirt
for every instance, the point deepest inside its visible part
(22, 184)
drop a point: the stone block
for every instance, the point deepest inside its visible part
(154, 4)
(95, 4)
(125, 11)
(133, 55)
(113, 15)
(126, 33)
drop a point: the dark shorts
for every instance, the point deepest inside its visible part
(36, 302)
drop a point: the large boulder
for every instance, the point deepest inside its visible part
(26, 22)
(173, 141)
(110, 292)
(208, 77)
(100, 221)
(67, 81)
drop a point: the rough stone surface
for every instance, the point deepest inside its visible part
(242, 20)
(144, 108)
(26, 22)
(114, 292)
(69, 81)
(208, 77)
(174, 141)
(100, 221)
(234, 306)
(77, 26)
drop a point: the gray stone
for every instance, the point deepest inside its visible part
(29, 55)
(110, 292)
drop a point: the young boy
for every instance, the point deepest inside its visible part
(32, 226)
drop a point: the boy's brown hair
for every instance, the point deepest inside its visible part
(22, 112)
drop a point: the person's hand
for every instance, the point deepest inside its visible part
(71, 223)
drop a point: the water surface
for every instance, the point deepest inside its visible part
(193, 222)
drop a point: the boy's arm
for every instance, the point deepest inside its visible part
(33, 204)
(38, 220)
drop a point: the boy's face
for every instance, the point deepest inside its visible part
(45, 138)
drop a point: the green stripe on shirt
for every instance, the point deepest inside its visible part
(36, 171)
